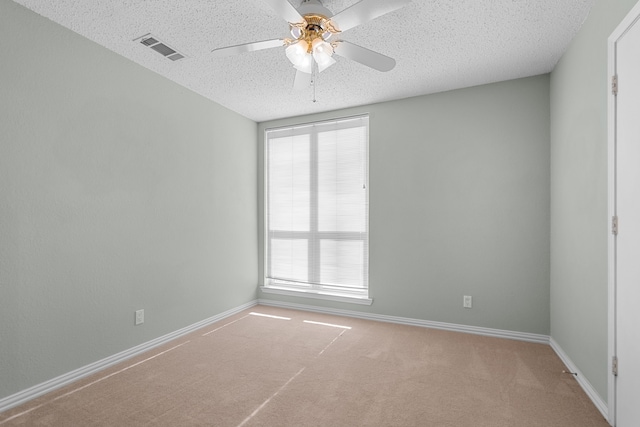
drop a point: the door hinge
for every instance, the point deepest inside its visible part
(614, 84)
(614, 225)
(614, 365)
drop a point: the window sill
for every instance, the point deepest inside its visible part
(352, 299)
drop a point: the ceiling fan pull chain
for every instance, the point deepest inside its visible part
(313, 82)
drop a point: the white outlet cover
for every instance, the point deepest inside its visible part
(467, 301)
(139, 317)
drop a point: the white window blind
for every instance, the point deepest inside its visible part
(317, 207)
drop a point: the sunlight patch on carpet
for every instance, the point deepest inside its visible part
(269, 316)
(327, 324)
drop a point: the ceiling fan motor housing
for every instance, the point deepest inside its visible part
(314, 7)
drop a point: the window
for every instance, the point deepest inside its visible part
(317, 208)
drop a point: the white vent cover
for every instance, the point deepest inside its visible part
(149, 40)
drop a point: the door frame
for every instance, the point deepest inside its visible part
(621, 29)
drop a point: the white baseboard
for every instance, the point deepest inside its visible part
(582, 380)
(499, 333)
(62, 380)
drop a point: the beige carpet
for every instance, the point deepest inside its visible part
(253, 370)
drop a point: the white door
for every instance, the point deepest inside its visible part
(627, 317)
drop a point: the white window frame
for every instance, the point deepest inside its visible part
(313, 288)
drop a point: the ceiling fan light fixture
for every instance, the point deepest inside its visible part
(322, 52)
(304, 64)
(321, 47)
(325, 63)
(297, 52)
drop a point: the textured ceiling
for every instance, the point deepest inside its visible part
(439, 45)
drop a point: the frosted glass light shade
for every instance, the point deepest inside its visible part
(305, 64)
(296, 52)
(322, 52)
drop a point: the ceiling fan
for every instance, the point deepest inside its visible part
(313, 28)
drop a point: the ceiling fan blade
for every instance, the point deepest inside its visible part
(302, 80)
(286, 10)
(247, 47)
(365, 56)
(365, 11)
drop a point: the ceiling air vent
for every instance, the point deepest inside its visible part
(154, 43)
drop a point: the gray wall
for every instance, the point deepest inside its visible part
(119, 190)
(459, 205)
(579, 223)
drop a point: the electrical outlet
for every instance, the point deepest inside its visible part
(139, 317)
(466, 302)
